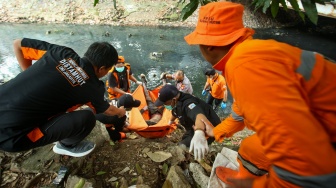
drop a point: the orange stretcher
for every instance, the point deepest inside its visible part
(138, 122)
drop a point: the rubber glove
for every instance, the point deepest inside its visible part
(139, 83)
(199, 144)
(223, 105)
(204, 92)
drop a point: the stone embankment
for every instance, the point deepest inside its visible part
(127, 12)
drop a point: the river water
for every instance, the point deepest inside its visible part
(137, 44)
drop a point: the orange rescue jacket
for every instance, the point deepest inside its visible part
(291, 105)
(111, 93)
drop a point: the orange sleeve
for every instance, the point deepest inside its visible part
(276, 107)
(229, 126)
(32, 54)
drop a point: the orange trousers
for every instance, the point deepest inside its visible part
(253, 163)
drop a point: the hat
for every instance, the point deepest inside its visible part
(121, 59)
(210, 71)
(128, 101)
(166, 93)
(219, 24)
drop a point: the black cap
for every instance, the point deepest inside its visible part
(210, 71)
(128, 101)
(166, 93)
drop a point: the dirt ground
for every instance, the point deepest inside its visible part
(112, 165)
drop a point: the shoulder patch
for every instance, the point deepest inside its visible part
(191, 106)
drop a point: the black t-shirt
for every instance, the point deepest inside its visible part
(57, 81)
(188, 107)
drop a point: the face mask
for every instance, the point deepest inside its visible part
(120, 69)
(168, 107)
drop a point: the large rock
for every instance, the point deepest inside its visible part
(43, 159)
(199, 175)
(176, 179)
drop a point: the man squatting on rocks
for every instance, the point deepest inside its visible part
(37, 106)
(287, 95)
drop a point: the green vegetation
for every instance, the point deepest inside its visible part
(274, 5)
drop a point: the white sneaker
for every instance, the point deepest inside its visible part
(81, 149)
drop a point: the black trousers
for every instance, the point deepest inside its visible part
(210, 100)
(118, 125)
(69, 128)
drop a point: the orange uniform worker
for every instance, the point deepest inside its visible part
(216, 86)
(252, 161)
(291, 104)
(119, 79)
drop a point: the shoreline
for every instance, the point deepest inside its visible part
(128, 13)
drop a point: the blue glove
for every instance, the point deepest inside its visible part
(223, 105)
(204, 92)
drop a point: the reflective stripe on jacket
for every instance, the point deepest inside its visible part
(288, 96)
(252, 159)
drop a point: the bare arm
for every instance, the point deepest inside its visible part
(24, 63)
(206, 85)
(199, 124)
(133, 78)
(119, 90)
(225, 95)
(112, 111)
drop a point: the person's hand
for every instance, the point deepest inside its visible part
(163, 75)
(204, 92)
(128, 94)
(199, 145)
(122, 112)
(145, 108)
(138, 82)
(208, 128)
(223, 105)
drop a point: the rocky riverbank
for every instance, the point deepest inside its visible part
(127, 12)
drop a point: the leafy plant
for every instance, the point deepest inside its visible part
(309, 7)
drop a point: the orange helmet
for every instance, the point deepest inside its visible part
(121, 59)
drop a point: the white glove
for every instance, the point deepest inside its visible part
(139, 83)
(199, 144)
(170, 122)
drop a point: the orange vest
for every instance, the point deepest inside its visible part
(111, 93)
(288, 96)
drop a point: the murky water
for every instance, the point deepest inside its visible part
(138, 43)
